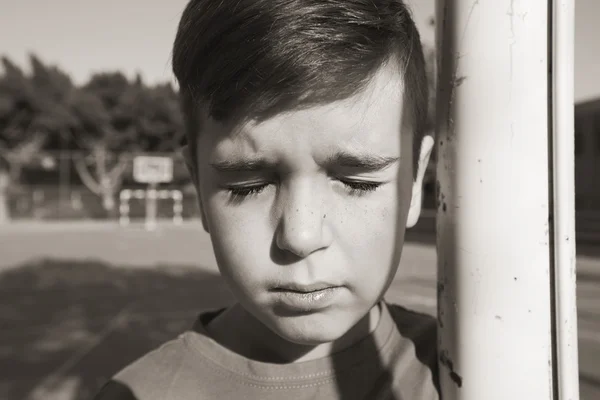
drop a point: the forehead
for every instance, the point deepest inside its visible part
(370, 120)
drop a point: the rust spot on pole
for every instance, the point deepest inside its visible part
(447, 362)
(440, 312)
(459, 81)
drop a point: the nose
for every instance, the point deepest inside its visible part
(303, 226)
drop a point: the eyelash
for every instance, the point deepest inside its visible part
(241, 192)
(354, 188)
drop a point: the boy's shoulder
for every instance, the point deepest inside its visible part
(148, 376)
(152, 376)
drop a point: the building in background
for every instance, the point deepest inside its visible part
(587, 155)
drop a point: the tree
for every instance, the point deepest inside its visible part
(106, 119)
(32, 112)
(153, 112)
(54, 89)
(100, 167)
(116, 118)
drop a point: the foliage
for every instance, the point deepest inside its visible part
(107, 115)
(108, 110)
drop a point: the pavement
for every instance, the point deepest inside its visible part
(181, 245)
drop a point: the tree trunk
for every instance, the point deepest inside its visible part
(107, 191)
(104, 181)
(4, 197)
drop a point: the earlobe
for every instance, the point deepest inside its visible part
(415, 208)
(417, 191)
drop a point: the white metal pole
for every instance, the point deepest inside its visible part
(563, 170)
(177, 207)
(151, 211)
(494, 250)
(124, 197)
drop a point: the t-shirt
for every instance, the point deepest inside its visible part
(397, 361)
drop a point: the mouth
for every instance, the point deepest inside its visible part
(309, 288)
(307, 298)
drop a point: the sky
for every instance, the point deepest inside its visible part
(85, 36)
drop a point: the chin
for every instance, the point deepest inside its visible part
(311, 329)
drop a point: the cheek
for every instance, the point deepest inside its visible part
(383, 218)
(373, 236)
(241, 240)
(381, 259)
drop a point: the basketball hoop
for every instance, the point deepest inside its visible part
(151, 170)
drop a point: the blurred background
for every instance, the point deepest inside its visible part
(101, 253)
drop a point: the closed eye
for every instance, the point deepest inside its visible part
(239, 193)
(353, 187)
(358, 188)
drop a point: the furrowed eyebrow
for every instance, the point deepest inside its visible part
(367, 162)
(241, 165)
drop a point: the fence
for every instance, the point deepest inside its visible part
(69, 185)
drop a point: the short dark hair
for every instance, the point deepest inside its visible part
(250, 59)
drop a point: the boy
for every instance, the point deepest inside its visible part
(307, 145)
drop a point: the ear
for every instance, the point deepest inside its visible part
(193, 170)
(417, 191)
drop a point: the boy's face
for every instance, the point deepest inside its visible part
(307, 210)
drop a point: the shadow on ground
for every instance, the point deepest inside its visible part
(66, 327)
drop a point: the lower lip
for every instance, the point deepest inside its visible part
(309, 301)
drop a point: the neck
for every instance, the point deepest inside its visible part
(238, 330)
